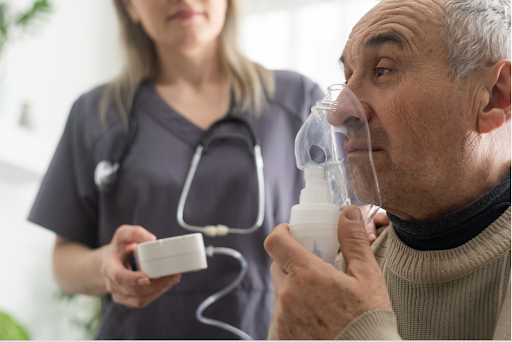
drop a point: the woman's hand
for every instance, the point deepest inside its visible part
(131, 288)
(375, 227)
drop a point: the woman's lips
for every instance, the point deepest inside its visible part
(185, 14)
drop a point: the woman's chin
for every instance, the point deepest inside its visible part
(190, 41)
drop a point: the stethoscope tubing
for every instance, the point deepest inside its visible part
(258, 160)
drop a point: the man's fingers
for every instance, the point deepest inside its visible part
(354, 239)
(129, 234)
(371, 231)
(278, 275)
(286, 251)
(381, 219)
(375, 227)
(381, 222)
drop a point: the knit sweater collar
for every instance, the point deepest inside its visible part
(457, 228)
(445, 265)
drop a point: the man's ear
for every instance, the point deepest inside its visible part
(496, 112)
(130, 9)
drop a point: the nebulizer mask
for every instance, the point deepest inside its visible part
(334, 150)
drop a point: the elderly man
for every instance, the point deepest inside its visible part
(434, 79)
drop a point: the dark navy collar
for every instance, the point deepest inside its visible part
(457, 228)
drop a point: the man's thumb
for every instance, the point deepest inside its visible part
(353, 237)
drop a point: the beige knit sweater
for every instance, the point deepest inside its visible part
(460, 293)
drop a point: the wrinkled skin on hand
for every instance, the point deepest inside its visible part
(313, 300)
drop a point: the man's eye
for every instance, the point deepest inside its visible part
(382, 71)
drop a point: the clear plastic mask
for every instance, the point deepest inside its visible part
(336, 137)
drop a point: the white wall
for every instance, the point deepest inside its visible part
(73, 52)
(301, 35)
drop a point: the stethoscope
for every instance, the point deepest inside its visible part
(202, 148)
(105, 173)
(105, 178)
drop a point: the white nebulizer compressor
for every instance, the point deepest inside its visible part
(186, 253)
(172, 255)
(333, 148)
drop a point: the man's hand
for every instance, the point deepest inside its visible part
(312, 299)
(132, 289)
(375, 227)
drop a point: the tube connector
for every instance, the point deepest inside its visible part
(210, 231)
(218, 230)
(210, 250)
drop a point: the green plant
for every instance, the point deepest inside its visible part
(11, 23)
(83, 311)
(10, 329)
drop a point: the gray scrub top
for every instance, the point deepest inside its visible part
(224, 191)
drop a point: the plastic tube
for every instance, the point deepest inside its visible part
(210, 251)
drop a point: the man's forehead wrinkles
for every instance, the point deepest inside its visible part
(422, 10)
(401, 31)
(402, 23)
(415, 14)
(377, 39)
(405, 30)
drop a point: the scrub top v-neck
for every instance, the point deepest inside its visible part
(224, 191)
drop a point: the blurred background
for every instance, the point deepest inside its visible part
(63, 48)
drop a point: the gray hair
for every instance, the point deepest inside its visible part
(477, 34)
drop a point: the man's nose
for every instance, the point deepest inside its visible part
(347, 110)
(368, 111)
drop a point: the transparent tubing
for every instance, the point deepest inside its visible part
(210, 251)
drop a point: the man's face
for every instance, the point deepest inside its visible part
(394, 62)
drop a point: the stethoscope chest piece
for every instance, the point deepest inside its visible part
(105, 176)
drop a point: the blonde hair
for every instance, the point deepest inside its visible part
(251, 83)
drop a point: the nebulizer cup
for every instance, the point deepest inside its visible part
(333, 148)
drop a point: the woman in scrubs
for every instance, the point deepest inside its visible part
(183, 72)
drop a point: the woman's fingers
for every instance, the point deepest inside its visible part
(116, 271)
(128, 287)
(141, 301)
(155, 286)
(127, 234)
(116, 259)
